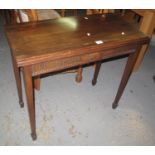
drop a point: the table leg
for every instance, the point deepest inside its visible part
(30, 100)
(154, 78)
(18, 83)
(127, 72)
(97, 69)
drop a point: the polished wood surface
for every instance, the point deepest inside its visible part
(54, 39)
(33, 16)
(55, 45)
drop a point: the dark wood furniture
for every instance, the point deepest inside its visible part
(53, 45)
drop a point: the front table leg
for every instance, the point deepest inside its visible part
(18, 83)
(30, 100)
(127, 72)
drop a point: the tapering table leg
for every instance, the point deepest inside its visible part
(127, 72)
(30, 100)
(154, 78)
(18, 83)
(97, 69)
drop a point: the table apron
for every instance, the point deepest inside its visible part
(60, 64)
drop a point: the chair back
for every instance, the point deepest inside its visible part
(25, 15)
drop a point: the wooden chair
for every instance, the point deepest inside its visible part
(145, 23)
(27, 15)
(63, 12)
(6, 14)
(98, 11)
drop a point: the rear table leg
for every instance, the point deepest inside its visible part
(97, 69)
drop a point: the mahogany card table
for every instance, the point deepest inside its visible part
(54, 45)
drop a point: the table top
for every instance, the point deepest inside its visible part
(36, 42)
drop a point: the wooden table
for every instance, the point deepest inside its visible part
(53, 45)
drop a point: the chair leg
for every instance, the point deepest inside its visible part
(79, 75)
(37, 82)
